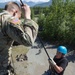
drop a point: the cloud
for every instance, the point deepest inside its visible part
(38, 0)
(1, 1)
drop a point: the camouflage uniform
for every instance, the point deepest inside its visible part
(13, 29)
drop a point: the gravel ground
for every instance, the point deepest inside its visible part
(37, 62)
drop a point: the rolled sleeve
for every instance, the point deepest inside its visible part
(31, 28)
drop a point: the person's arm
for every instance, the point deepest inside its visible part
(57, 68)
(62, 66)
(24, 34)
(27, 12)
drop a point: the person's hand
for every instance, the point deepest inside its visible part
(27, 11)
(51, 61)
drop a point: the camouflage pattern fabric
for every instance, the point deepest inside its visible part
(13, 29)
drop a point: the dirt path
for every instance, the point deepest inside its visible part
(37, 62)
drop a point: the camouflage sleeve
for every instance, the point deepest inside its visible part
(31, 28)
(23, 34)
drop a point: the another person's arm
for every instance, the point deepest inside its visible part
(26, 11)
(23, 34)
(57, 68)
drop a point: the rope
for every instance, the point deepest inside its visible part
(13, 65)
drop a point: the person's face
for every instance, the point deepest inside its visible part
(18, 14)
(58, 55)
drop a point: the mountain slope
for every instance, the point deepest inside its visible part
(31, 4)
(44, 4)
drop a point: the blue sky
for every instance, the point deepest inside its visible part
(1, 1)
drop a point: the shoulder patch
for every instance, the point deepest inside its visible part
(15, 21)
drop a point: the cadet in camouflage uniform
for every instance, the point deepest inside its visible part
(13, 29)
